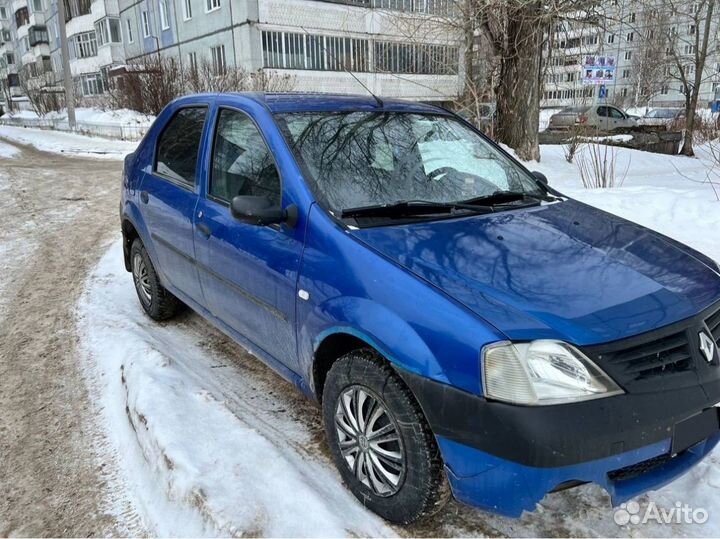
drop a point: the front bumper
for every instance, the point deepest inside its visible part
(504, 458)
(508, 488)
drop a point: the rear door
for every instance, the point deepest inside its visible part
(618, 120)
(169, 195)
(602, 122)
(248, 272)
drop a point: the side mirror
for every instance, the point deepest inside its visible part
(539, 176)
(258, 210)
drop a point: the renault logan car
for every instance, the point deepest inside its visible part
(462, 324)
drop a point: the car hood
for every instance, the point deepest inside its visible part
(563, 270)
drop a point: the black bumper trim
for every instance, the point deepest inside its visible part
(558, 435)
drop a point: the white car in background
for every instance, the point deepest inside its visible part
(669, 118)
(600, 117)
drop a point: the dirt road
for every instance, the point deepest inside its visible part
(56, 214)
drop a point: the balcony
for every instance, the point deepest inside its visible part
(38, 35)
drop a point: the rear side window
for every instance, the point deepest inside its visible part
(179, 145)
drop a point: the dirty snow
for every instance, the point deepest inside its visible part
(8, 151)
(69, 143)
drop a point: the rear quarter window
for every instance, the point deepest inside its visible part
(179, 145)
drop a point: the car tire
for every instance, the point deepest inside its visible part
(406, 481)
(156, 300)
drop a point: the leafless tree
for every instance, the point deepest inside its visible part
(207, 78)
(39, 90)
(687, 51)
(648, 73)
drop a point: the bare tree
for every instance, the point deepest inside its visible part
(39, 89)
(687, 51)
(649, 66)
(208, 78)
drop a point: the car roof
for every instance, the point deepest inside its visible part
(326, 102)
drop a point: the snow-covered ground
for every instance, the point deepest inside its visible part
(69, 143)
(209, 442)
(91, 115)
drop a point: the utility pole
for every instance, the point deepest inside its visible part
(67, 75)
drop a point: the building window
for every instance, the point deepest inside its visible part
(212, 5)
(691, 29)
(129, 31)
(24, 44)
(689, 49)
(632, 17)
(92, 84)
(628, 55)
(37, 35)
(187, 10)
(626, 74)
(145, 24)
(162, 9)
(630, 36)
(3, 12)
(85, 45)
(7, 37)
(192, 58)
(37, 5)
(611, 38)
(108, 31)
(218, 59)
(10, 58)
(21, 17)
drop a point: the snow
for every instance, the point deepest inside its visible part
(209, 442)
(69, 143)
(204, 455)
(92, 115)
(7, 151)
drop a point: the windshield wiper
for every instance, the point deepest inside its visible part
(405, 208)
(500, 197)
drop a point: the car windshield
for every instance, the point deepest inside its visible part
(361, 159)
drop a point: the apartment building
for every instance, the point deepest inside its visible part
(315, 42)
(633, 36)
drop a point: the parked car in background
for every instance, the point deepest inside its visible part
(460, 322)
(598, 117)
(668, 118)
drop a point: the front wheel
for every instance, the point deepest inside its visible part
(380, 440)
(155, 299)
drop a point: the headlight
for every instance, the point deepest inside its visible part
(542, 372)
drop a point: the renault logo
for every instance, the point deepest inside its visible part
(707, 346)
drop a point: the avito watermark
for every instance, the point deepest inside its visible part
(680, 513)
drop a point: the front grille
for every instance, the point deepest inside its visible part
(635, 470)
(713, 324)
(664, 355)
(660, 359)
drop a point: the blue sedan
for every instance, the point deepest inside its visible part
(466, 328)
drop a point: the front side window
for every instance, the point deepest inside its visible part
(179, 145)
(242, 164)
(359, 159)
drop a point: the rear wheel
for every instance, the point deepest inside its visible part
(155, 299)
(380, 441)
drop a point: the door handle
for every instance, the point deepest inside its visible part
(144, 197)
(204, 229)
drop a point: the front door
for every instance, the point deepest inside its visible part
(168, 196)
(248, 273)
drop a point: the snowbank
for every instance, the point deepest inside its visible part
(203, 450)
(69, 143)
(7, 151)
(92, 115)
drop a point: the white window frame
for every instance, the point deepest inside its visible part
(128, 31)
(218, 59)
(42, 6)
(145, 23)
(162, 10)
(187, 10)
(212, 5)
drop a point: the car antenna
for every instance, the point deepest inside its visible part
(376, 98)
